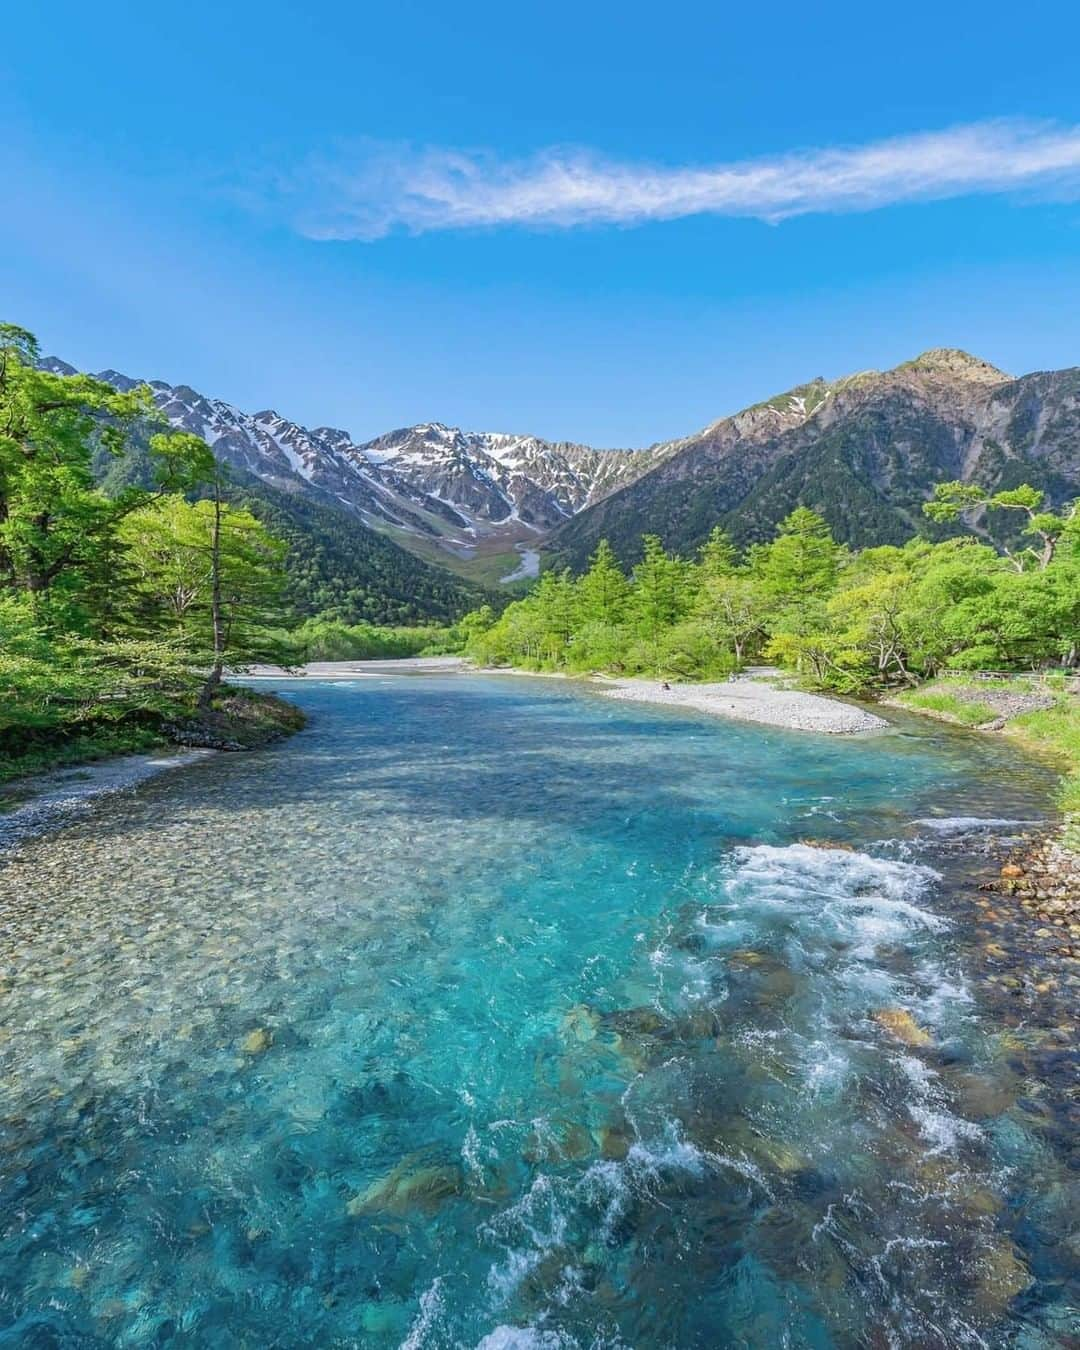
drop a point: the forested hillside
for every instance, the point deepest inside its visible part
(335, 565)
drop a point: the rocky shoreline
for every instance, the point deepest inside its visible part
(240, 720)
(1038, 887)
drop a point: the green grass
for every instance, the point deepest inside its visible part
(1053, 732)
(84, 749)
(940, 701)
(1056, 732)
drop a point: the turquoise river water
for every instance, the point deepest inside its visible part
(488, 1012)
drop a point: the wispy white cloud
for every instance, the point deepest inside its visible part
(370, 192)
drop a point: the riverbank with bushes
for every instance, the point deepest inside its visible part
(1040, 712)
(122, 605)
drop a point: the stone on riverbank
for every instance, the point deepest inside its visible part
(751, 700)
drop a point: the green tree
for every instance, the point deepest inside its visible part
(602, 592)
(211, 575)
(56, 526)
(732, 608)
(802, 562)
(957, 500)
(660, 593)
(716, 557)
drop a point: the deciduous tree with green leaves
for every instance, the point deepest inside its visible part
(56, 527)
(956, 500)
(114, 608)
(213, 576)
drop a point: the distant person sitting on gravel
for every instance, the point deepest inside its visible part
(666, 686)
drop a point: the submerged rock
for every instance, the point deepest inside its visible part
(771, 1155)
(984, 1097)
(413, 1184)
(557, 1141)
(255, 1042)
(900, 1023)
(1001, 1276)
(580, 1023)
(614, 1142)
(762, 978)
(642, 1021)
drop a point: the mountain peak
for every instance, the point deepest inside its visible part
(953, 361)
(52, 365)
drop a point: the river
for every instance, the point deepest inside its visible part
(489, 1012)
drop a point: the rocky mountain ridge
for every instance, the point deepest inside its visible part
(865, 450)
(459, 490)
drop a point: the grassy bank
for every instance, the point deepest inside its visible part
(238, 719)
(1038, 712)
(68, 752)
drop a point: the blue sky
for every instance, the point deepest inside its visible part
(603, 222)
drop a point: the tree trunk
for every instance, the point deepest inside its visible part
(213, 680)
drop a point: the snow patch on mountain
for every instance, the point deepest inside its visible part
(431, 481)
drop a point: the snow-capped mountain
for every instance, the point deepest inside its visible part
(432, 484)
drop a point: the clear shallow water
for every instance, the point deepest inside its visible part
(491, 1012)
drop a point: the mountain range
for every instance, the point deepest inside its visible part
(864, 450)
(452, 494)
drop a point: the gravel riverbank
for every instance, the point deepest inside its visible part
(349, 670)
(752, 700)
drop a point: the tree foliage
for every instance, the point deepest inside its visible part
(884, 617)
(115, 607)
(953, 501)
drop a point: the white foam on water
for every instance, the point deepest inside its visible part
(559, 1212)
(950, 825)
(605, 1186)
(852, 899)
(525, 1338)
(945, 992)
(527, 1231)
(938, 1126)
(837, 916)
(873, 922)
(772, 874)
(470, 1155)
(672, 1152)
(731, 932)
(826, 1067)
(431, 1306)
